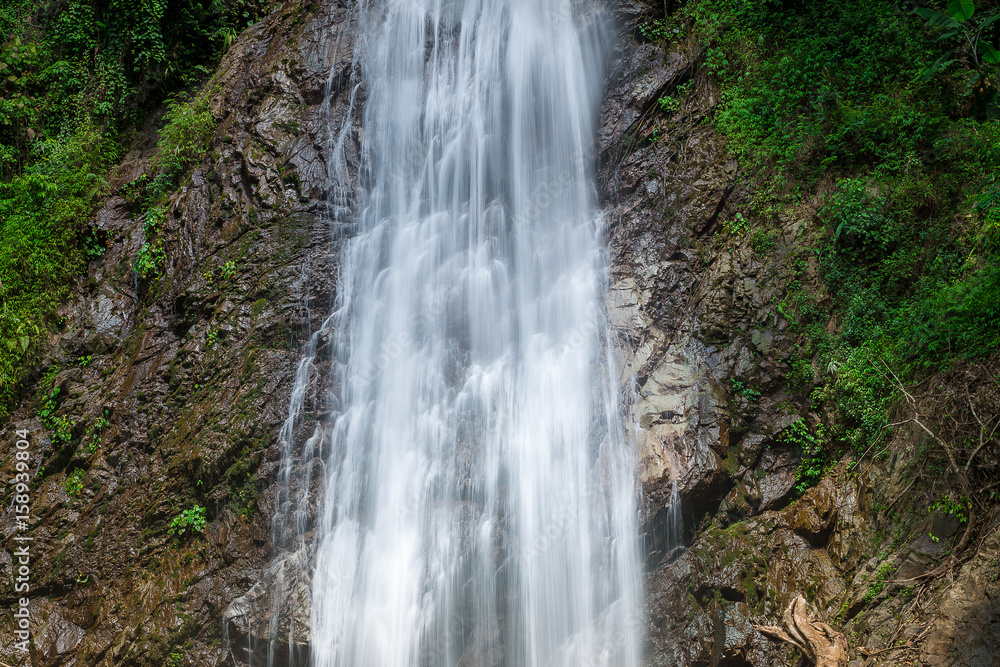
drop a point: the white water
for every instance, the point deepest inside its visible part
(478, 492)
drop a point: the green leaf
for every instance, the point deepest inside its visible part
(986, 24)
(937, 18)
(989, 54)
(939, 65)
(947, 35)
(961, 10)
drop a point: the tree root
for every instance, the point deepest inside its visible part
(824, 646)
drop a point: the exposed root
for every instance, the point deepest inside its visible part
(820, 643)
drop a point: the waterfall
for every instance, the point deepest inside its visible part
(477, 504)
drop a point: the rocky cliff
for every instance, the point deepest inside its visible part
(173, 389)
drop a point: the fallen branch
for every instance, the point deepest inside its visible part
(820, 643)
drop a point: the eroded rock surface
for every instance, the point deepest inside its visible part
(697, 298)
(191, 368)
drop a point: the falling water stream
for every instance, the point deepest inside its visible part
(478, 495)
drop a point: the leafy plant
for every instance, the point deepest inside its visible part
(878, 583)
(668, 104)
(653, 30)
(62, 426)
(958, 21)
(814, 462)
(763, 241)
(151, 254)
(50, 404)
(743, 390)
(74, 482)
(228, 270)
(188, 130)
(192, 520)
(42, 227)
(94, 431)
(956, 508)
(739, 225)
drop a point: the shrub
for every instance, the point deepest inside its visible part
(43, 215)
(192, 520)
(189, 127)
(815, 459)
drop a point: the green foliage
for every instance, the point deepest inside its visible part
(801, 96)
(228, 270)
(739, 225)
(189, 127)
(763, 241)
(74, 482)
(62, 426)
(192, 520)
(151, 254)
(960, 318)
(93, 435)
(746, 392)
(73, 60)
(975, 35)
(185, 136)
(47, 413)
(668, 104)
(43, 214)
(956, 508)
(863, 395)
(815, 459)
(74, 75)
(878, 583)
(862, 92)
(654, 30)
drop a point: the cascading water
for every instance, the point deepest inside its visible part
(478, 496)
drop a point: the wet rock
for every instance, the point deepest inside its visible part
(190, 368)
(704, 604)
(277, 608)
(55, 635)
(815, 520)
(776, 474)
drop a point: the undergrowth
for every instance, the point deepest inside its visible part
(888, 123)
(74, 77)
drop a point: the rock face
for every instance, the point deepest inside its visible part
(191, 369)
(192, 372)
(695, 318)
(699, 306)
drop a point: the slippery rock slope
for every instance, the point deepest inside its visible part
(192, 369)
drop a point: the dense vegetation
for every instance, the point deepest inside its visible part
(75, 78)
(882, 117)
